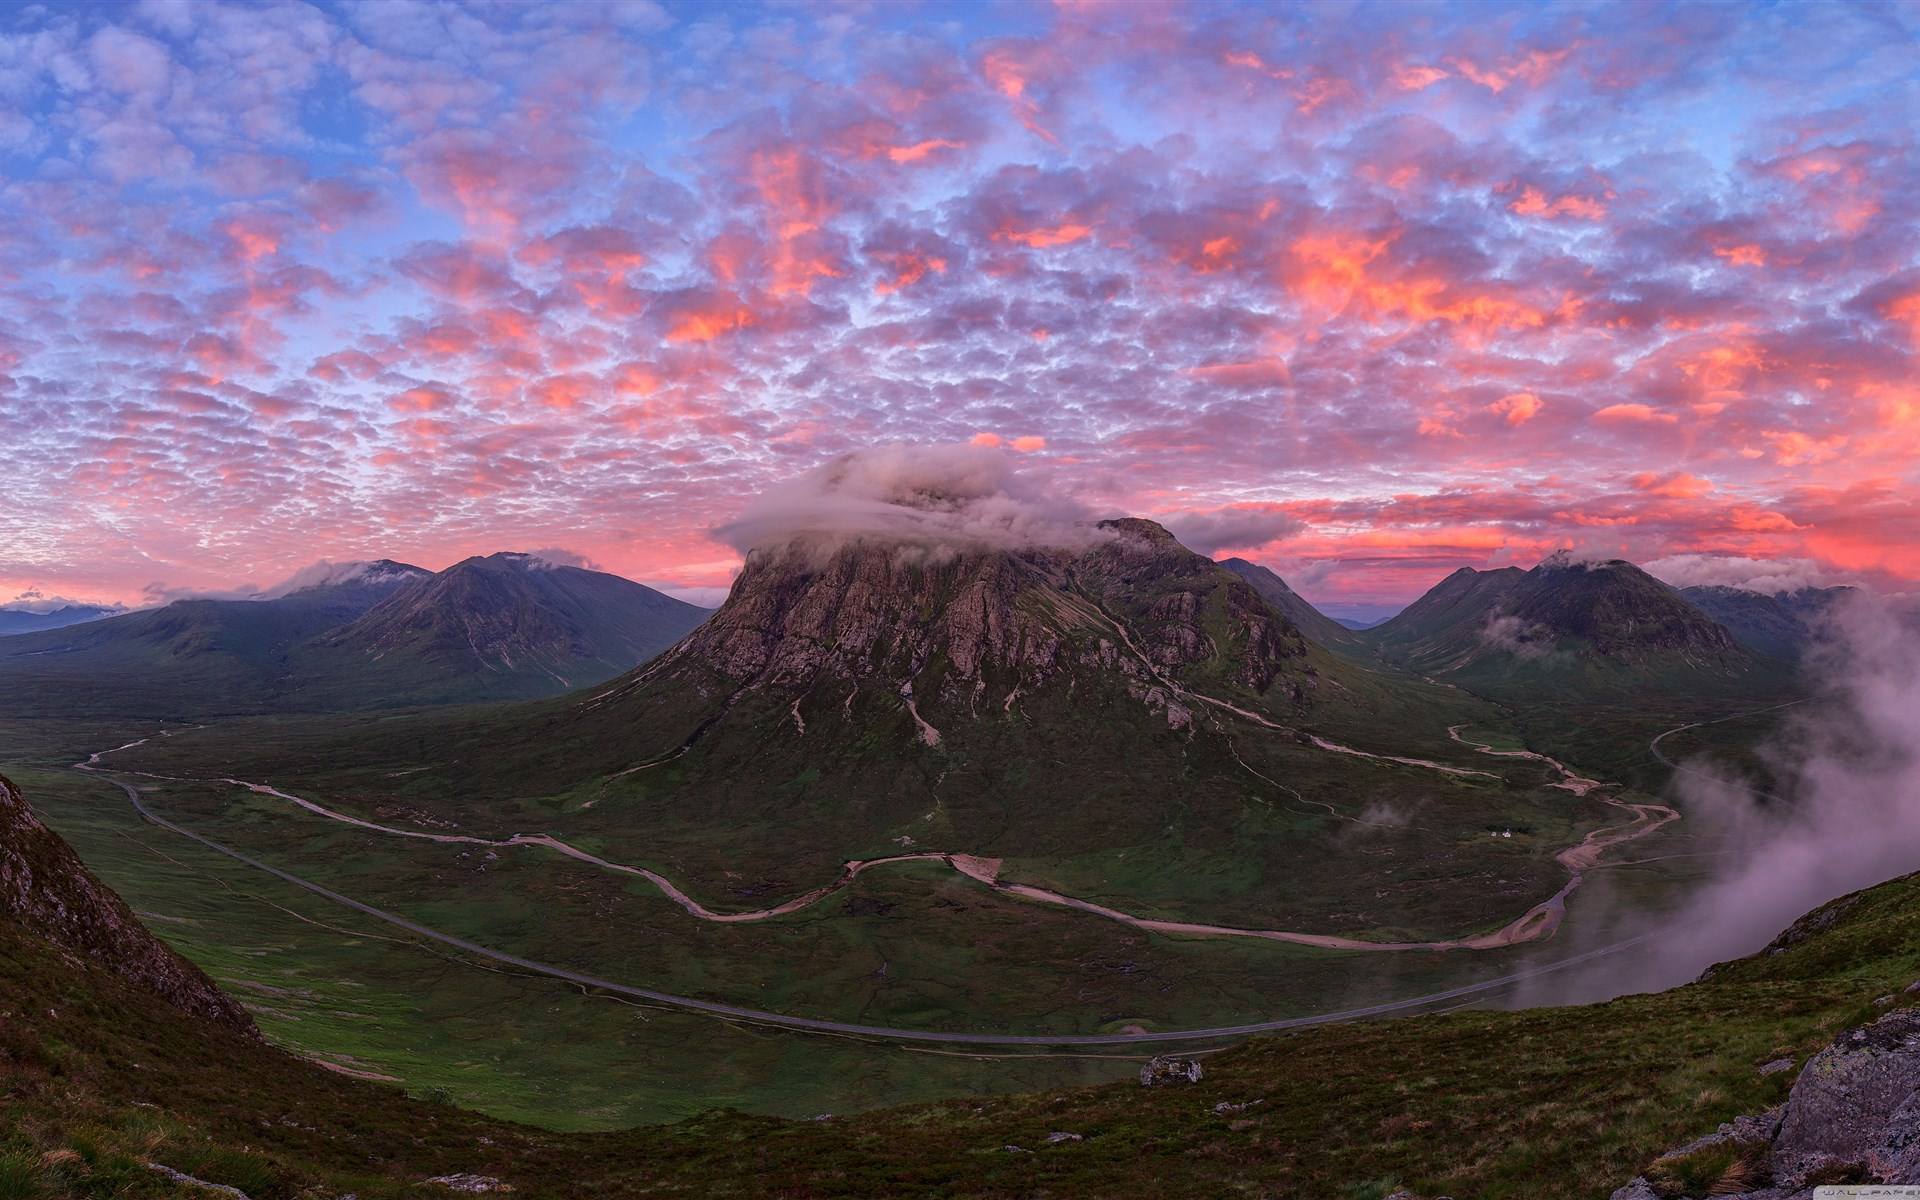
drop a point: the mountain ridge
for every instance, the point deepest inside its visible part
(1779, 624)
(1308, 619)
(311, 647)
(1602, 613)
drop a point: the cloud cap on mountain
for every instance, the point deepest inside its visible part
(958, 496)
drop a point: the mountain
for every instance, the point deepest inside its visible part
(365, 635)
(190, 658)
(16, 620)
(1117, 701)
(1358, 624)
(1449, 620)
(1305, 617)
(1781, 624)
(509, 626)
(1563, 615)
(1590, 659)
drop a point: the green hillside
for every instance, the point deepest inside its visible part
(105, 1079)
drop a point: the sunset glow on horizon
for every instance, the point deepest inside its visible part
(1365, 293)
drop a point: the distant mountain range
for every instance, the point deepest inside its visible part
(1782, 624)
(370, 635)
(1122, 699)
(1609, 610)
(20, 620)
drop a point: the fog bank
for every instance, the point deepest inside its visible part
(1849, 812)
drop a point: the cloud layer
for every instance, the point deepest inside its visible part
(1455, 287)
(949, 496)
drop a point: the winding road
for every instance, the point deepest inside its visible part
(1539, 921)
(1654, 747)
(846, 1028)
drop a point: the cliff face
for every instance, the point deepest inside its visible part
(975, 626)
(46, 891)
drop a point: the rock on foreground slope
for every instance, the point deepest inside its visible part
(46, 890)
(1853, 1117)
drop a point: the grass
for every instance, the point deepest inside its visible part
(1547, 1103)
(1720, 1169)
(913, 946)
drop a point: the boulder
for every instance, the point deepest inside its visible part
(1847, 1094)
(1165, 1069)
(1852, 1117)
(473, 1185)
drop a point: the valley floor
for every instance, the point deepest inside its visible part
(1547, 1103)
(909, 952)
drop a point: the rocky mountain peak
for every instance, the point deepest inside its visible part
(971, 626)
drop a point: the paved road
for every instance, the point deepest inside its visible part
(812, 1025)
(1660, 754)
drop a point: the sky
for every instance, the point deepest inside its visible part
(1364, 292)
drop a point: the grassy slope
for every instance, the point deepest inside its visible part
(913, 946)
(1546, 1103)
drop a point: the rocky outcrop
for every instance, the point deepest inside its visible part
(1165, 1069)
(469, 1184)
(46, 891)
(1853, 1116)
(970, 628)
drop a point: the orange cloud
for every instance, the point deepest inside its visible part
(1677, 486)
(1336, 271)
(1640, 414)
(427, 398)
(1791, 448)
(1905, 310)
(1534, 203)
(1009, 75)
(1414, 79)
(636, 379)
(562, 391)
(1042, 239)
(908, 268)
(252, 241)
(920, 150)
(1025, 445)
(794, 196)
(1248, 60)
(1532, 68)
(1518, 408)
(705, 323)
(1745, 255)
